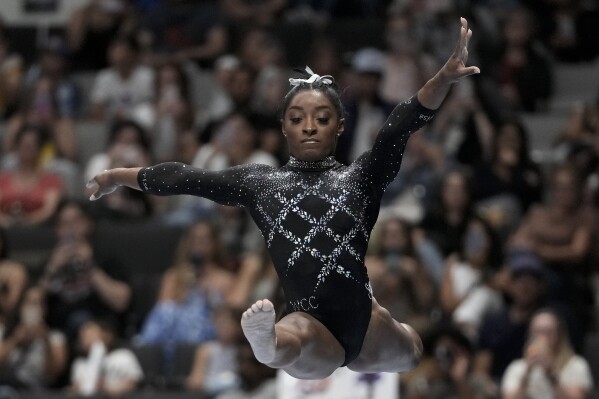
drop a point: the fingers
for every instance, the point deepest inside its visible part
(462, 44)
(93, 184)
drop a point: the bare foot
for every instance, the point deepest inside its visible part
(258, 323)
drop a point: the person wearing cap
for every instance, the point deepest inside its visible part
(502, 334)
(366, 111)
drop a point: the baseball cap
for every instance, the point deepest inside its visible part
(368, 60)
(525, 262)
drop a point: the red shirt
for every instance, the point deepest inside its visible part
(16, 199)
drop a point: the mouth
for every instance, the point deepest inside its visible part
(310, 141)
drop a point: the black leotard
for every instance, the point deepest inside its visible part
(316, 218)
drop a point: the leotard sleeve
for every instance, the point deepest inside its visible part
(231, 186)
(381, 164)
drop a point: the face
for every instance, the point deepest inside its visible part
(525, 290)
(545, 326)
(312, 125)
(72, 223)
(394, 237)
(227, 327)
(120, 55)
(29, 148)
(508, 145)
(455, 194)
(200, 240)
(564, 190)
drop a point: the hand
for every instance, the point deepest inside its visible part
(101, 184)
(455, 68)
(459, 368)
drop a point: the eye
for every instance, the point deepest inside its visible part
(295, 120)
(323, 121)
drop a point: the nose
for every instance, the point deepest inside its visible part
(309, 128)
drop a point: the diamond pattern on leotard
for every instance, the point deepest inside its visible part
(314, 223)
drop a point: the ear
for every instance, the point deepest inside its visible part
(282, 128)
(340, 127)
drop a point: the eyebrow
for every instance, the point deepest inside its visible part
(320, 107)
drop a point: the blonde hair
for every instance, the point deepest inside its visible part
(564, 350)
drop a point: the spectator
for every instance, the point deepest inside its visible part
(568, 27)
(366, 111)
(90, 30)
(28, 194)
(502, 334)
(466, 292)
(103, 366)
(549, 368)
(80, 284)
(238, 139)
(399, 280)
(445, 225)
(125, 89)
(32, 354)
(560, 233)
(521, 67)
(509, 182)
(190, 290)
(407, 66)
(215, 363)
(172, 110)
(255, 279)
(444, 371)
(52, 64)
(11, 75)
(184, 31)
(577, 141)
(127, 145)
(13, 280)
(259, 49)
(250, 12)
(40, 107)
(270, 86)
(257, 379)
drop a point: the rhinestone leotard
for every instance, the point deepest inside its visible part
(316, 219)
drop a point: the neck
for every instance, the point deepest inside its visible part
(325, 163)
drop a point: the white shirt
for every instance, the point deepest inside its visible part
(575, 373)
(117, 367)
(116, 93)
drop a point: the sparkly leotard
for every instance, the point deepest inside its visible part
(316, 218)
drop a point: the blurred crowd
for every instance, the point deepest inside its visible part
(489, 252)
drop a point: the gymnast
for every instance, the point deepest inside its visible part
(316, 216)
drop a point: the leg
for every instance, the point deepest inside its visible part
(298, 343)
(389, 346)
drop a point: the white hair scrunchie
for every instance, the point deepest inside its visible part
(326, 79)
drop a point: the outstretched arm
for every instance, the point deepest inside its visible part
(384, 161)
(432, 94)
(231, 186)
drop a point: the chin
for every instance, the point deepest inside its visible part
(311, 155)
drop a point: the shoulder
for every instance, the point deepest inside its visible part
(264, 158)
(106, 75)
(143, 72)
(577, 364)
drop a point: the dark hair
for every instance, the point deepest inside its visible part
(329, 90)
(142, 136)
(77, 203)
(524, 150)
(182, 79)
(126, 40)
(42, 133)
